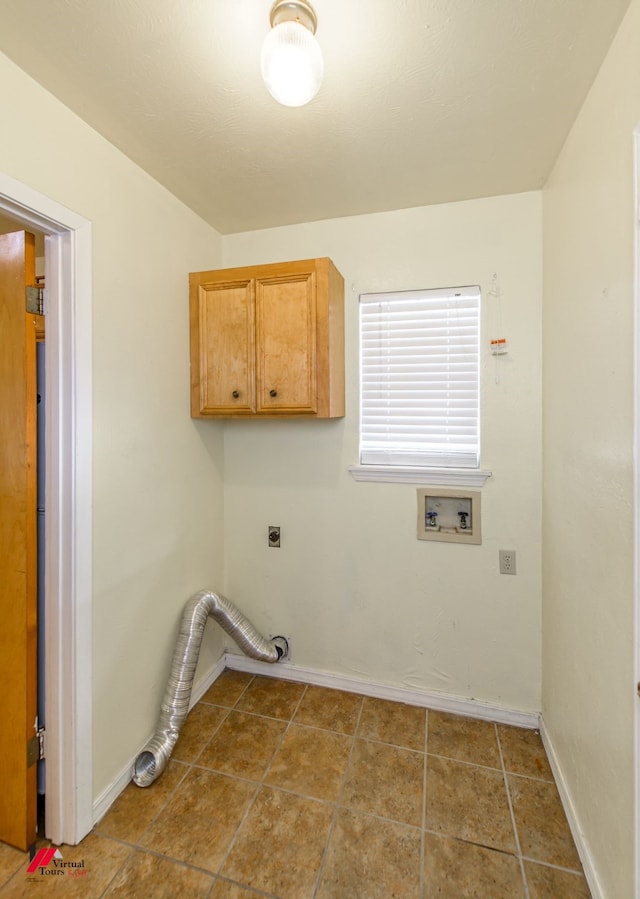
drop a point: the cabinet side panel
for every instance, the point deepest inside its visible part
(331, 357)
(336, 329)
(330, 325)
(194, 346)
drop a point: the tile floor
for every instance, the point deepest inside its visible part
(277, 789)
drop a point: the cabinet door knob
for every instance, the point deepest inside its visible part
(273, 393)
(235, 394)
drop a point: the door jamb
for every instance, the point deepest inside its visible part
(636, 469)
(68, 569)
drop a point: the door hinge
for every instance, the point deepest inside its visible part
(35, 748)
(35, 300)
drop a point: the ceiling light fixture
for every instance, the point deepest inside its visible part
(291, 61)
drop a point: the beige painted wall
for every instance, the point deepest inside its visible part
(359, 595)
(157, 500)
(588, 675)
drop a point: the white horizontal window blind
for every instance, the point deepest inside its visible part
(419, 361)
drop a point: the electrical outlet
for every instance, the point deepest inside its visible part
(507, 559)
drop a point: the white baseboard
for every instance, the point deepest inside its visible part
(105, 800)
(572, 818)
(441, 702)
(438, 701)
(212, 675)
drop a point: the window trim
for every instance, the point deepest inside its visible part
(387, 474)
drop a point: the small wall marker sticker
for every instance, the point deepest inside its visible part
(499, 347)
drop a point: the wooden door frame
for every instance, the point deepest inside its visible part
(68, 570)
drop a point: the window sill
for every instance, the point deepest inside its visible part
(465, 477)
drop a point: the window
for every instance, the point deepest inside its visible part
(419, 367)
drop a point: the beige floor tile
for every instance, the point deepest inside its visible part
(136, 807)
(202, 722)
(523, 752)
(102, 859)
(463, 739)
(280, 845)
(457, 870)
(224, 889)
(311, 762)
(228, 688)
(468, 802)
(550, 883)
(393, 722)
(271, 697)
(10, 860)
(244, 745)
(542, 826)
(144, 875)
(329, 709)
(386, 781)
(208, 827)
(199, 823)
(371, 858)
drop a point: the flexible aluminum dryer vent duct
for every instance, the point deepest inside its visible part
(175, 706)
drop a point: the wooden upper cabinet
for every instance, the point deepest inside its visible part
(268, 341)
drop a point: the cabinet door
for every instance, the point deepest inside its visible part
(286, 343)
(226, 349)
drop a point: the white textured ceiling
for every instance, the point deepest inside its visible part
(423, 101)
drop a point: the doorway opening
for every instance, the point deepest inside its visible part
(67, 555)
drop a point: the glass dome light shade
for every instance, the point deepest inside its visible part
(291, 63)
